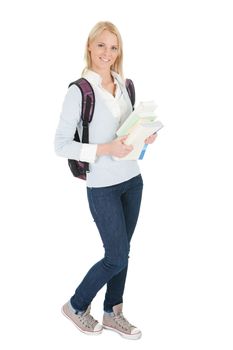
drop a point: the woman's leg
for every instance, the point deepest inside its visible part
(107, 210)
(131, 200)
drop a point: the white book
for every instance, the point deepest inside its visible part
(145, 110)
(137, 139)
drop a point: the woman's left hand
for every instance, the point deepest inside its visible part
(150, 139)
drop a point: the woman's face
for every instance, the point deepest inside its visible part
(104, 51)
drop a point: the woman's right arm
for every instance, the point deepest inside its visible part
(116, 148)
(64, 144)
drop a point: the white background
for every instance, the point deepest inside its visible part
(179, 289)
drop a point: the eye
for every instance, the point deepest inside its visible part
(114, 48)
(100, 45)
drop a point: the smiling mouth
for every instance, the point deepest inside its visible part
(104, 59)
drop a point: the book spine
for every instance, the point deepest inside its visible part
(143, 152)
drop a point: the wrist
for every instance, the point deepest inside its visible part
(103, 149)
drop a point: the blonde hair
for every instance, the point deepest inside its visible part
(96, 31)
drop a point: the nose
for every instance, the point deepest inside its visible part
(107, 50)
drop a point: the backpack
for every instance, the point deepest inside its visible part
(78, 168)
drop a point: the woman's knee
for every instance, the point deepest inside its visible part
(116, 263)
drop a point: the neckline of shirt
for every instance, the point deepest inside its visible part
(96, 79)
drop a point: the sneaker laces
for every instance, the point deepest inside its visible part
(123, 322)
(87, 320)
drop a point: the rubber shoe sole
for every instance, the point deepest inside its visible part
(124, 335)
(80, 329)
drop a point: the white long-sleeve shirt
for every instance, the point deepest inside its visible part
(110, 112)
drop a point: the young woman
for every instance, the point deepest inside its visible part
(114, 188)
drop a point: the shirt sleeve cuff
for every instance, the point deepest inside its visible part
(88, 153)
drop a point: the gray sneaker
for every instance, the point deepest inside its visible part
(115, 321)
(83, 321)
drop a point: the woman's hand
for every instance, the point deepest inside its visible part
(150, 139)
(116, 148)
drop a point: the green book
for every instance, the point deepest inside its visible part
(144, 112)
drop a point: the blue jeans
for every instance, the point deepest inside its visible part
(115, 210)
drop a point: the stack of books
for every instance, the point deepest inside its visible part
(141, 123)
